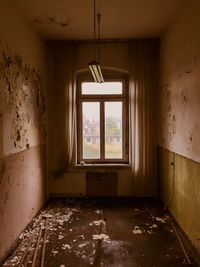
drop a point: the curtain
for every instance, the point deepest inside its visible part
(61, 60)
(143, 85)
(61, 66)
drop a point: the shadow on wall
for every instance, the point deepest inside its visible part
(101, 184)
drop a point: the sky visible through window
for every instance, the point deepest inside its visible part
(106, 88)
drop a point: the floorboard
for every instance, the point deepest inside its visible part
(99, 232)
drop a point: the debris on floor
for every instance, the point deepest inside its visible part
(96, 233)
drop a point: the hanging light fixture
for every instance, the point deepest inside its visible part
(94, 65)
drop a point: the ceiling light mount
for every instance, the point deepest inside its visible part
(94, 65)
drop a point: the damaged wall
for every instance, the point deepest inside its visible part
(179, 117)
(73, 182)
(115, 55)
(22, 125)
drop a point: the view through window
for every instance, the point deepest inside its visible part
(103, 122)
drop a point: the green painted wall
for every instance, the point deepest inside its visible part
(179, 184)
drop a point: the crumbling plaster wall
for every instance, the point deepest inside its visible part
(22, 124)
(179, 119)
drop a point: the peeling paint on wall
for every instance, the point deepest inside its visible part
(22, 125)
(21, 100)
(180, 87)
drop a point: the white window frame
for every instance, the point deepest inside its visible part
(124, 97)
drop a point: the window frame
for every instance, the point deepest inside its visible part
(124, 98)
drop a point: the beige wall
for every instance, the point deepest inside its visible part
(180, 84)
(74, 183)
(22, 124)
(179, 118)
(112, 55)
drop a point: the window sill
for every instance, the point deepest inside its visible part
(103, 165)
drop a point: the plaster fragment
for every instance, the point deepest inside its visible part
(82, 245)
(137, 231)
(101, 237)
(54, 252)
(158, 219)
(98, 211)
(64, 246)
(60, 237)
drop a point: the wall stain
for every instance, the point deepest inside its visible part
(190, 138)
(184, 97)
(22, 88)
(169, 107)
(6, 198)
(2, 169)
(51, 20)
(188, 71)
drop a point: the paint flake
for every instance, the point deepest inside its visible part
(98, 211)
(47, 215)
(60, 237)
(15, 259)
(97, 223)
(137, 231)
(82, 245)
(64, 246)
(81, 236)
(158, 219)
(54, 252)
(101, 237)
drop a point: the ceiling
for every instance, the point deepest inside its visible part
(120, 19)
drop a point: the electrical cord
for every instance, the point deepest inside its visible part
(173, 181)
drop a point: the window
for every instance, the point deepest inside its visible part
(102, 122)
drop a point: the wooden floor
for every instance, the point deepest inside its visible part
(104, 232)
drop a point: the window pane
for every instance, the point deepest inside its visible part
(106, 88)
(91, 130)
(113, 130)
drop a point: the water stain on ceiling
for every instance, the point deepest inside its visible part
(51, 20)
(119, 19)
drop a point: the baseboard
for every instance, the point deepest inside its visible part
(66, 195)
(194, 253)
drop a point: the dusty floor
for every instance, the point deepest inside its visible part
(96, 233)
